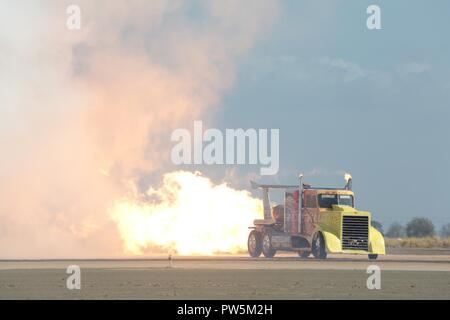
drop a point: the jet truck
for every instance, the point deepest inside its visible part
(314, 220)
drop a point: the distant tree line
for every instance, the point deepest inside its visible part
(417, 228)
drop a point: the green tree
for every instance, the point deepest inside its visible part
(445, 231)
(420, 227)
(396, 230)
(377, 225)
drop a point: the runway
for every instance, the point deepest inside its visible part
(229, 277)
(242, 261)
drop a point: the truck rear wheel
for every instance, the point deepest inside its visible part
(318, 246)
(254, 244)
(267, 248)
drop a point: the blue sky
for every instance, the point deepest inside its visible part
(374, 103)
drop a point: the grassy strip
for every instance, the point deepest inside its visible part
(427, 242)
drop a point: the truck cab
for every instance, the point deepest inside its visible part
(317, 202)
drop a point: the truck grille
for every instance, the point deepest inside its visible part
(355, 233)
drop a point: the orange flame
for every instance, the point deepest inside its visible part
(190, 216)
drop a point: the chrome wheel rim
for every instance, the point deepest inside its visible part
(266, 242)
(252, 242)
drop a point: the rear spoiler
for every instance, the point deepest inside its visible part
(256, 185)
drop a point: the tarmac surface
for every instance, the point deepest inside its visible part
(281, 261)
(230, 277)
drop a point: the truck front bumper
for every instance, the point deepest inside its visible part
(375, 246)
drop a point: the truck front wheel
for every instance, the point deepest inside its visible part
(254, 244)
(318, 246)
(267, 248)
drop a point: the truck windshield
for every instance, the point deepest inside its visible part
(327, 200)
(346, 200)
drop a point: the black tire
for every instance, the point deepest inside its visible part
(373, 256)
(318, 246)
(267, 248)
(304, 254)
(254, 243)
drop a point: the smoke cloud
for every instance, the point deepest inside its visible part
(84, 113)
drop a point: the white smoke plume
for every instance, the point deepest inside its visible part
(84, 112)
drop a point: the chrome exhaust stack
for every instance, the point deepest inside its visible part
(300, 202)
(348, 181)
